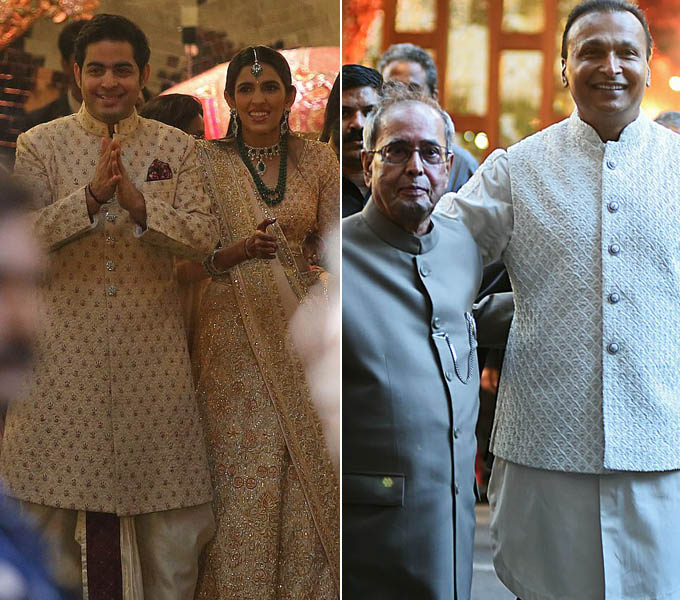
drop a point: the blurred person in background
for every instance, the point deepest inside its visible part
(330, 133)
(71, 98)
(24, 572)
(669, 119)
(178, 110)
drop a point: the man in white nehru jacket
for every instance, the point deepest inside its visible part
(585, 493)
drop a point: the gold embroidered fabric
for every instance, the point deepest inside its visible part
(109, 422)
(276, 492)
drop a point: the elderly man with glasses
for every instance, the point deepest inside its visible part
(410, 376)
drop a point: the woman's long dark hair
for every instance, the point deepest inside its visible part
(246, 58)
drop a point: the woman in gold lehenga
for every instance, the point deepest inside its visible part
(276, 492)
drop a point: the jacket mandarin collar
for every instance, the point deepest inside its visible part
(394, 235)
(630, 135)
(97, 127)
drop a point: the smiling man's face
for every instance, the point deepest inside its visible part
(606, 68)
(407, 193)
(110, 80)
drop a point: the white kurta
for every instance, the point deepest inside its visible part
(585, 499)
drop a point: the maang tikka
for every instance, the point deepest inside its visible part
(256, 69)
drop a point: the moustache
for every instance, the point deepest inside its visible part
(355, 135)
(16, 354)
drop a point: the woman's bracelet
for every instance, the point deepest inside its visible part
(209, 264)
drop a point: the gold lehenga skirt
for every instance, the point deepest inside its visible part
(266, 545)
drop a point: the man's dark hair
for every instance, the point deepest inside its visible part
(411, 53)
(177, 110)
(610, 6)
(331, 118)
(67, 38)
(354, 76)
(114, 28)
(351, 77)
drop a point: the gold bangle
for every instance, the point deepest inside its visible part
(209, 264)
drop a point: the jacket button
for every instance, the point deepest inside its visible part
(613, 348)
(614, 298)
(614, 249)
(112, 291)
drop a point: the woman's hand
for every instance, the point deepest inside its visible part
(261, 244)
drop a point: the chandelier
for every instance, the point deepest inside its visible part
(16, 16)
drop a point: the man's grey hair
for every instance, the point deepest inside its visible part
(411, 53)
(669, 118)
(394, 93)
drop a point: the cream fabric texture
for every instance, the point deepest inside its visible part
(109, 421)
(589, 233)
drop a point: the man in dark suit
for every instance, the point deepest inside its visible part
(71, 99)
(410, 376)
(361, 87)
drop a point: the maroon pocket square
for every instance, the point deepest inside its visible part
(158, 171)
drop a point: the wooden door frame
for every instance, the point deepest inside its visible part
(498, 42)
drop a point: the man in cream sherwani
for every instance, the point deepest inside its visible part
(585, 491)
(105, 451)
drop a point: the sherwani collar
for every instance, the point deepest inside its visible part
(97, 127)
(630, 134)
(394, 235)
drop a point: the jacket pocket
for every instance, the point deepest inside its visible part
(379, 489)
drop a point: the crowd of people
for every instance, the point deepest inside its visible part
(165, 443)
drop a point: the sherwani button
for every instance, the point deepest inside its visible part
(614, 249)
(613, 348)
(613, 206)
(112, 291)
(611, 163)
(110, 240)
(448, 375)
(110, 265)
(111, 217)
(436, 323)
(456, 433)
(425, 270)
(455, 489)
(614, 298)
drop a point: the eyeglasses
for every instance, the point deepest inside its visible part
(399, 153)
